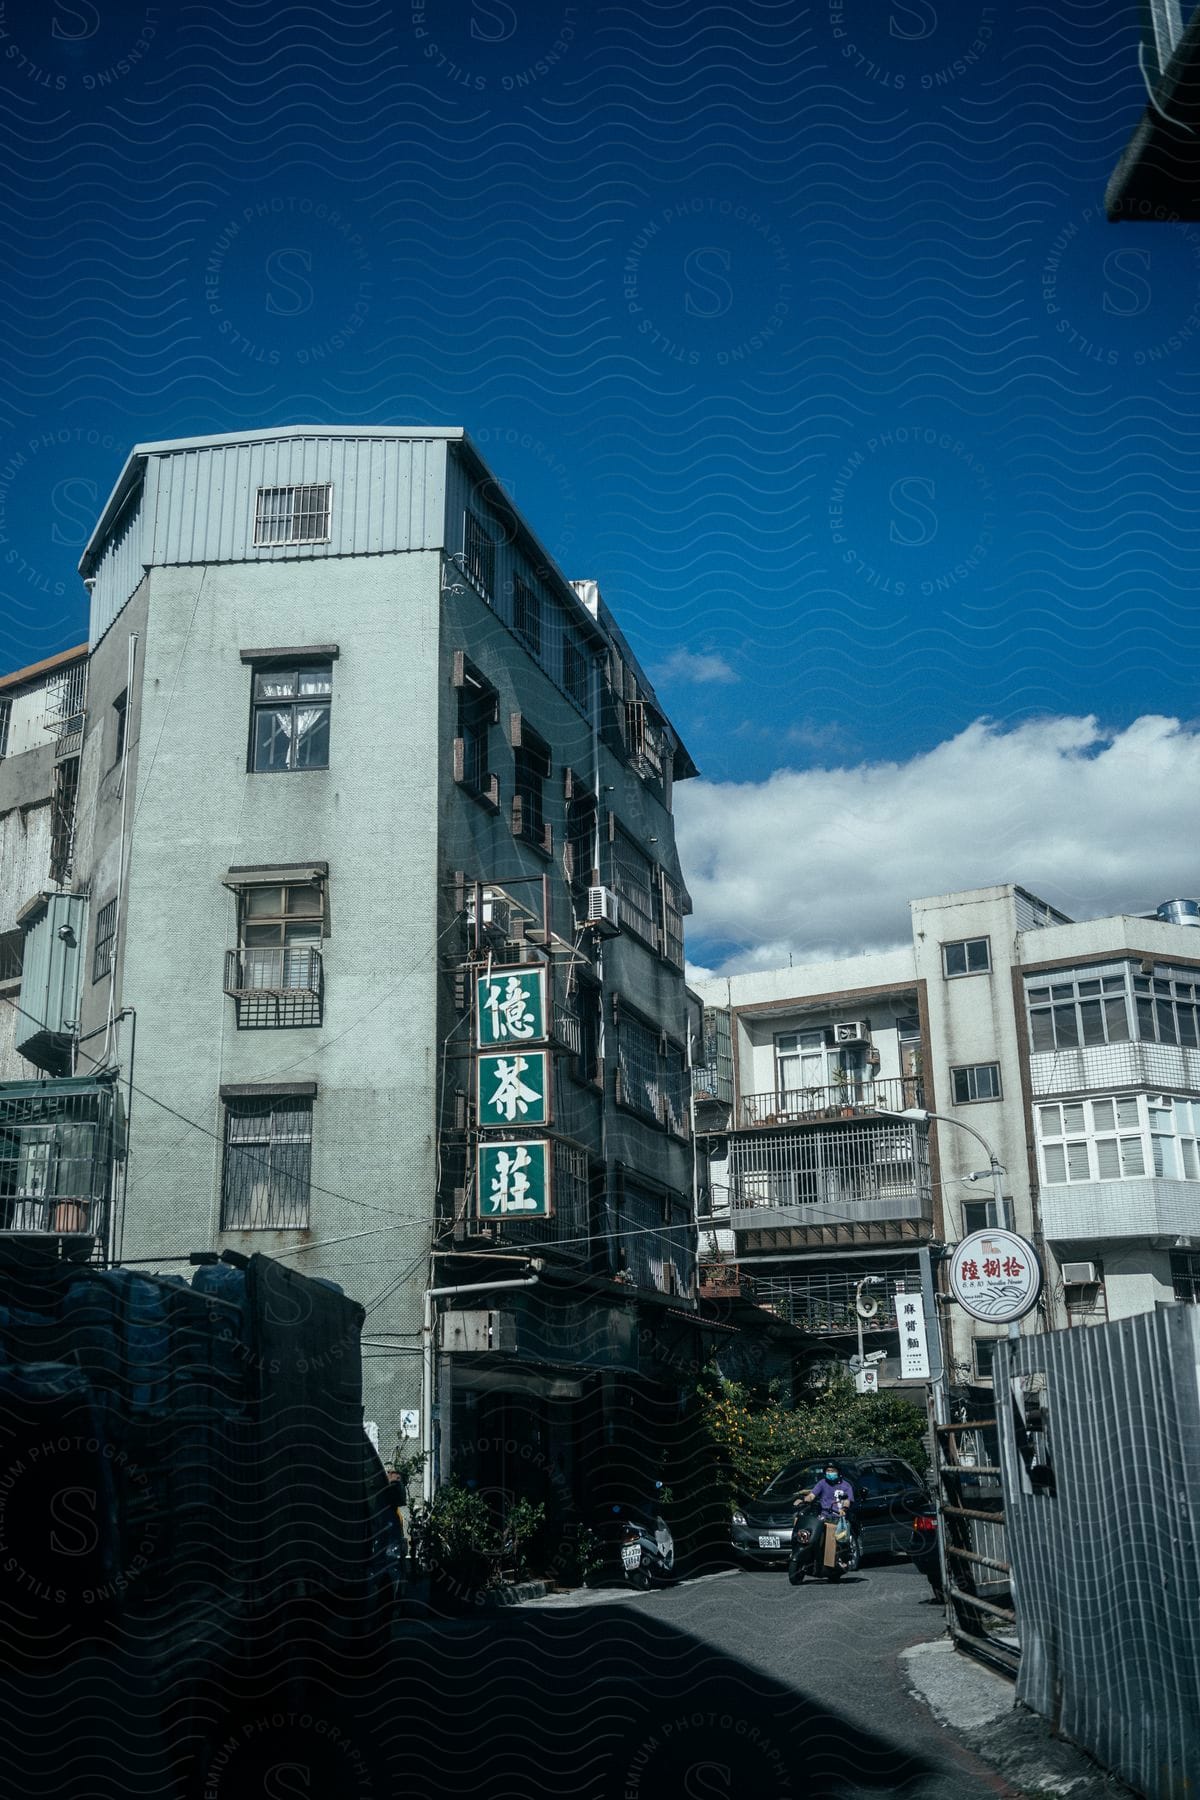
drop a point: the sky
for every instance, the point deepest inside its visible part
(800, 328)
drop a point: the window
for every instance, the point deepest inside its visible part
(106, 928)
(633, 879)
(292, 515)
(655, 1238)
(975, 1081)
(276, 973)
(588, 1066)
(290, 724)
(1167, 1007)
(969, 956)
(268, 1153)
(527, 615)
(1077, 1009)
(1094, 1140)
(62, 819)
(479, 556)
(672, 921)
(478, 710)
(532, 771)
(5, 716)
(978, 1215)
(12, 954)
(984, 1350)
(581, 840)
(575, 670)
(1185, 1274)
(119, 708)
(652, 1073)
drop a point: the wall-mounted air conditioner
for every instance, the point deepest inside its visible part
(497, 913)
(1080, 1275)
(857, 1032)
(604, 911)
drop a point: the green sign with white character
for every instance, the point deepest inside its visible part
(514, 1088)
(513, 1180)
(511, 1007)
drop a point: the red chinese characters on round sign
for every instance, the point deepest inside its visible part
(995, 1275)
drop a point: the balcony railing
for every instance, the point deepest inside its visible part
(1174, 1068)
(855, 1098)
(56, 1150)
(276, 985)
(858, 1174)
(825, 1304)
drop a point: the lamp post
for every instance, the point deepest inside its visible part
(920, 1115)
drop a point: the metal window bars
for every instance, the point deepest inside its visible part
(672, 921)
(56, 1152)
(633, 881)
(267, 1169)
(276, 985)
(12, 954)
(825, 1304)
(292, 515)
(66, 702)
(479, 556)
(656, 1237)
(854, 1096)
(858, 1173)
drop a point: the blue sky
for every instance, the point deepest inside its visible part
(800, 328)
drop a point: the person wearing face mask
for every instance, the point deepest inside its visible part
(832, 1494)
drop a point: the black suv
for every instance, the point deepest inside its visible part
(888, 1496)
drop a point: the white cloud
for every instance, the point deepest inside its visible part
(695, 666)
(823, 862)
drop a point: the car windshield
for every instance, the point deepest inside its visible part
(792, 1480)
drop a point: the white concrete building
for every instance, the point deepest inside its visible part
(1071, 1048)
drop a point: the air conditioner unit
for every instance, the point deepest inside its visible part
(1080, 1275)
(497, 913)
(856, 1033)
(604, 911)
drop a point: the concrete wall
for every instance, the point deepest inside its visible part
(370, 816)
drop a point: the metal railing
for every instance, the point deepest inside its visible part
(861, 1173)
(856, 1097)
(824, 1304)
(56, 1150)
(66, 698)
(276, 985)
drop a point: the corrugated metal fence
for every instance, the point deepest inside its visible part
(1100, 1443)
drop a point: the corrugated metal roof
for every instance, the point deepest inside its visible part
(50, 663)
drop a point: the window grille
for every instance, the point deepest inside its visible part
(12, 954)
(672, 921)
(633, 880)
(638, 1066)
(479, 556)
(268, 1154)
(477, 714)
(102, 955)
(575, 671)
(1185, 1273)
(655, 1239)
(531, 773)
(62, 819)
(56, 1152)
(845, 1175)
(292, 515)
(5, 717)
(527, 615)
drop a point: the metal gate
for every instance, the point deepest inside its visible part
(976, 1571)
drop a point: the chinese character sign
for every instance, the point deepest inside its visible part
(513, 1181)
(914, 1348)
(995, 1275)
(511, 1007)
(514, 1088)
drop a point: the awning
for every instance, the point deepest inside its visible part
(242, 876)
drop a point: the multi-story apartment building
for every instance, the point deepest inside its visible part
(1071, 1048)
(374, 917)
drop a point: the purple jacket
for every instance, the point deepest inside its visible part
(828, 1493)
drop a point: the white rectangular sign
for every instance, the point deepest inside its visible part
(914, 1349)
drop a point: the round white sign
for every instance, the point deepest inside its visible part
(995, 1275)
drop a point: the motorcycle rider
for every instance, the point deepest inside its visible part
(835, 1497)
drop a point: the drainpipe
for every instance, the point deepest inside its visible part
(427, 1356)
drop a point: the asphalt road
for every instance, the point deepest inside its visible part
(729, 1686)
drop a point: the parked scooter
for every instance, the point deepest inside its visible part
(647, 1547)
(810, 1547)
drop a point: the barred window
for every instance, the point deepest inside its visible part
(675, 1091)
(527, 615)
(531, 758)
(1185, 1274)
(652, 1074)
(102, 954)
(268, 1154)
(633, 880)
(672, 921)
(12, 954)
(479, 556)
(575, 671)
(477, 713)
(656, 1239)
(293, 515)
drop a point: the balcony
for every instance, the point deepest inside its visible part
(850, 1099)
(1089, 1212)
(276, 986)
(56, 1153)
(824, 1304)
(804, 1189)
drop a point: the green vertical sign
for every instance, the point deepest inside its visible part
(513, 1180)
(511, 1007)
(513, 1088)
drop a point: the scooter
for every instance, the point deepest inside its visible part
(647, 1547)
(810, 1552)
